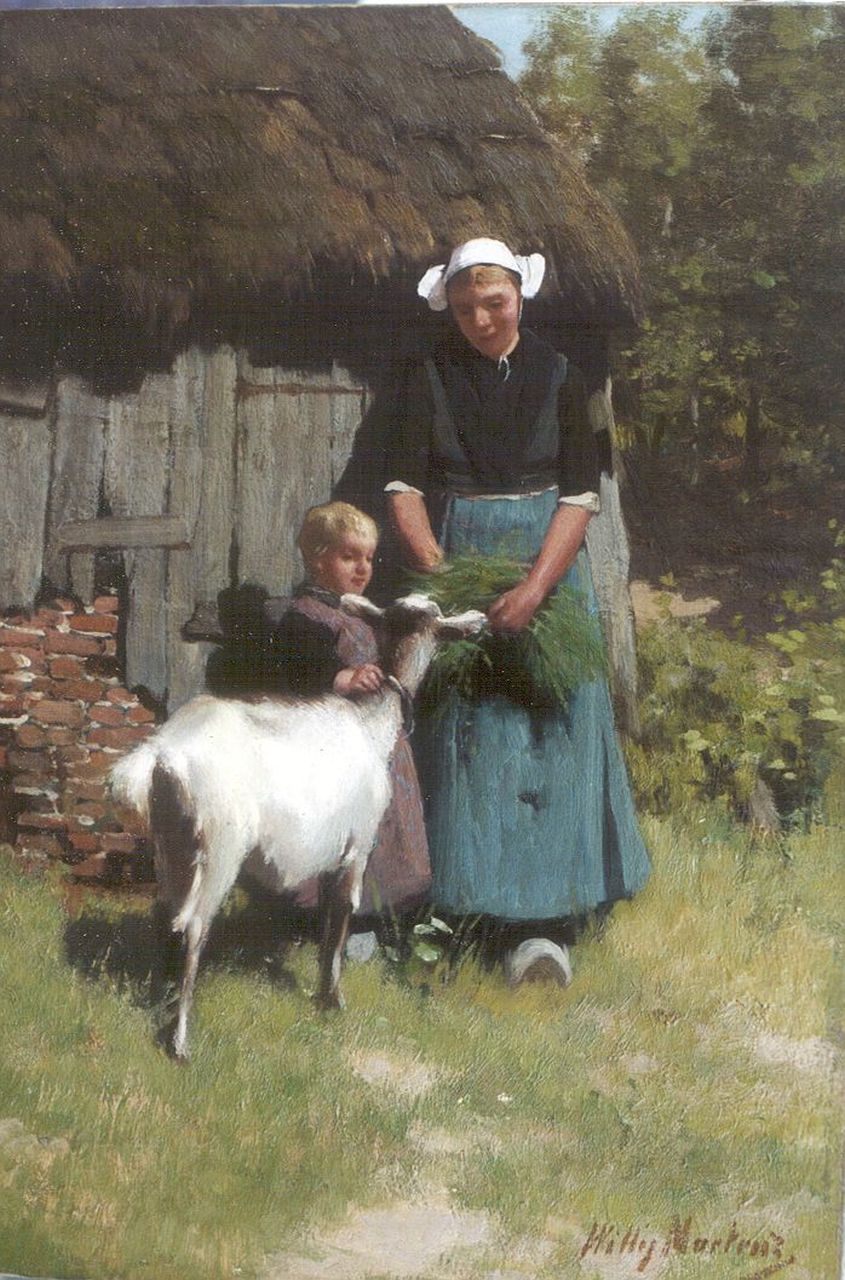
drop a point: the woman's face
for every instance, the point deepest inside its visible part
(487, 315)
(347, 565)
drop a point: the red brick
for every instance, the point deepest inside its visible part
(120, 739)
(33, 662)
(88, 809)
(37, 661)
(106, 604)
(119, 842)
(140, 715)
(90, 770)
(16, 684)
(30, 735)
(66, 713)
(68, 668)
(14, 638)
(85, 690)
(84, 646)
(41, 684)
(84, 841)
(107, 714)
(40, 842)
(101, 760)
(41, 798)
(78, 789)
(4, 758)
(42, 821)
(101, 624)
(24, 778)
(121, 696)
(13, 660)
(60, 736)
(11, 707)
(30, 762)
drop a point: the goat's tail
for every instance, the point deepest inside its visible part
(131, 778)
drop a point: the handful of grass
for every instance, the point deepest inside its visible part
(537, 668)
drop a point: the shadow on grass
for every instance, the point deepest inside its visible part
(136, 950)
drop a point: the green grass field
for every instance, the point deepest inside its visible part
(689, 1073)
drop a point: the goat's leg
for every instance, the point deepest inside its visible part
(167, 964)
(340, 892)
(195, 936)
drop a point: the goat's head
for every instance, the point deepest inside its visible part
(409, 631)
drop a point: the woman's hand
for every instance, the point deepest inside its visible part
(514, 610)
(365, 679)
(410, 520)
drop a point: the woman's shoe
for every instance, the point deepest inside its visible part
(538, 960)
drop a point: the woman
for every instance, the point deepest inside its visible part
(529, 814)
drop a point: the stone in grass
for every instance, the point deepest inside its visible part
(538, 960)
(361, 947)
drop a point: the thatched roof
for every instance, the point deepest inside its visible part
(185, 157)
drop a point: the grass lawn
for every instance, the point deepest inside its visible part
(688, 1076)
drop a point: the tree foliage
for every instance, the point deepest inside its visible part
(722, 148)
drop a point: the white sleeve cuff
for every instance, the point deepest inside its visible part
(399, 486)
(589, 500)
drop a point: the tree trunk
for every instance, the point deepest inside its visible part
(607, 547)
(753, 461)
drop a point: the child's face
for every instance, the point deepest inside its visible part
(347, 566)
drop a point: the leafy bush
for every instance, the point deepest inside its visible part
(717, 713)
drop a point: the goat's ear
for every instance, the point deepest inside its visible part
(462, 624)
(360, 607)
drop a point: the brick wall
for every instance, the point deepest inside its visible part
(65, 718)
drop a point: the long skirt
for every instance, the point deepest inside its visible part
(529, 814)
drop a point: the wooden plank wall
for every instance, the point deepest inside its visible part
(25, 448)
(236, 453)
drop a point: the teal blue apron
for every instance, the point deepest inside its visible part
(529, 814)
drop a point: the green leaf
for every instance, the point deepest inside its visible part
(763, 278)
(425, 952)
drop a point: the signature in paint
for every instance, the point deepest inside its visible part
(640, 1246)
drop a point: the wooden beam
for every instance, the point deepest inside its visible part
(246, 389)
(124, 532)
(28, 399)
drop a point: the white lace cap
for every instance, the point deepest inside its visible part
(477, 253)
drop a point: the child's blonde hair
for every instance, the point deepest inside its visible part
(324, 526)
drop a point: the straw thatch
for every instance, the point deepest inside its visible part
(172, 159)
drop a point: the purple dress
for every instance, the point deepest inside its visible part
(315, 639)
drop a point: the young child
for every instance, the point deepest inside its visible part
(318, 648)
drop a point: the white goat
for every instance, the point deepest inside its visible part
(294, 788)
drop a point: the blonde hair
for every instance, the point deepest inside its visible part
(483, 275)
(324, 526)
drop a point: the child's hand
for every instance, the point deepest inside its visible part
(365, 679)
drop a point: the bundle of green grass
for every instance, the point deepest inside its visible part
(537, 668)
